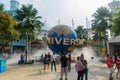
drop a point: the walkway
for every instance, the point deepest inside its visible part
(97, 71)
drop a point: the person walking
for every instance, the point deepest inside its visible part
(53, 62)
(118, 66)
(49, 59)
(22, 60)
(110, 64)
(79, 68)
(41, 58)
(69, 62)
(84, 62)
(63, 61)
(45, 62)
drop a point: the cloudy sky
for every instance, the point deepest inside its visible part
(63, 10)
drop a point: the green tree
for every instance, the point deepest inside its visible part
(116, 23)
(29, 22)
(7, 29)
(101, 23)
(1, 7)
(81, 32)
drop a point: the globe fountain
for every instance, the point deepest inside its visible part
(62, 39)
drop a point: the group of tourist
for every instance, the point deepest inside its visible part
(49, 59)
(112, 64)
(65, 61)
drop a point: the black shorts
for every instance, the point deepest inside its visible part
(44, 62)
(22, 62)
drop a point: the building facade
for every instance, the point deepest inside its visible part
(114, 46)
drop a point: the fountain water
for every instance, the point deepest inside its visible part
(87, 51)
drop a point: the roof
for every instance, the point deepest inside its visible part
(115, 40)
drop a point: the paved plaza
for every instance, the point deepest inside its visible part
(97, 71)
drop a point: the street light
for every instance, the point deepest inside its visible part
(44, 40)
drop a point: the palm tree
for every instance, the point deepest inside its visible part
(101, 22)
(82, 33)
(29, 22)
(28, 19)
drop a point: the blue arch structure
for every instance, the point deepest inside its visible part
(20, 42)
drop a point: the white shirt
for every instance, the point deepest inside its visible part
(53, 57)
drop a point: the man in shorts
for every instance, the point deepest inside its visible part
(110, 64)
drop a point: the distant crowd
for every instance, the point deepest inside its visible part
(65, 61)
(81, 64)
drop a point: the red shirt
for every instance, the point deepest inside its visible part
(118, 63)
(109, 62)
(69, 58)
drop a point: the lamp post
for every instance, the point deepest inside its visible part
(44, 41)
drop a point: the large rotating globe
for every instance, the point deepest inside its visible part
(60, 32)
